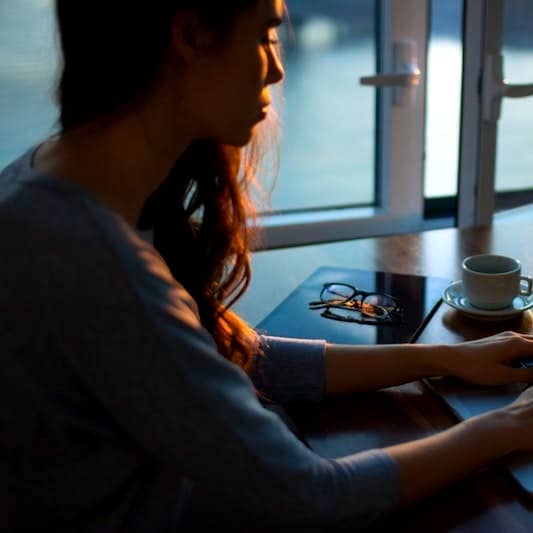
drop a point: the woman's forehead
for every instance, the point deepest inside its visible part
(265, 14)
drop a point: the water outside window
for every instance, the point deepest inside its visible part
(28, 65)
(328, 119)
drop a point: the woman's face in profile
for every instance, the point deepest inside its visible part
(231, 81)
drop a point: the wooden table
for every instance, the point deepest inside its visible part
(488, 501)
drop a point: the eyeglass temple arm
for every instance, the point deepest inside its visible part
(317, 304)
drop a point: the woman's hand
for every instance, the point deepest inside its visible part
(487, 361)
(428, 464)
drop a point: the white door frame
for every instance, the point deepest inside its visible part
(483, 39)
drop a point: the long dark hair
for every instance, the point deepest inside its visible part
(112, 51)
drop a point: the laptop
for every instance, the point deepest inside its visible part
(467, 401)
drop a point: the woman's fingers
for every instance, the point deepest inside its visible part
(526, 395)
(493, 360)
(524, 375)
(512, 334)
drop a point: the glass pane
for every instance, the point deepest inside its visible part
(514, 162)
(328, 119)
(28, 60)
(444, 78)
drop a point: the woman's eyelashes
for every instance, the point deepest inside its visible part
(270, 39)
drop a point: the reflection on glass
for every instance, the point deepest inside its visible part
(294, 317)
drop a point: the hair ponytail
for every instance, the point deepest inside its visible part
(112, 52)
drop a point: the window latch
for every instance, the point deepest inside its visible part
(405, 77)
(495, 87)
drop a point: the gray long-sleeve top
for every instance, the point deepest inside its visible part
(114, 399)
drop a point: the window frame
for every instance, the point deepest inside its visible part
(399, 177)
(482, 37)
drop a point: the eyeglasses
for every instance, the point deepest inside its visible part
(344, 302)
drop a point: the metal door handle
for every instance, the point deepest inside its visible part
(495, 88)
(406, 76)
(392, 80)
(517, 90)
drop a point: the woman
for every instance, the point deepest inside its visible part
(125, 377)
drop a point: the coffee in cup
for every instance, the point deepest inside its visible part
(493, 281)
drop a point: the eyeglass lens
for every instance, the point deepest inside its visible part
(337, 292)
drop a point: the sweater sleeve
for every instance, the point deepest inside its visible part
(290, 370)
(136, 343)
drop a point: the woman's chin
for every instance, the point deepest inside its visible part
(237, 136)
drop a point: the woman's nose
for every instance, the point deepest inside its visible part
(276, 71)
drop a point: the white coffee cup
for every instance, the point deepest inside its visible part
(493, 281)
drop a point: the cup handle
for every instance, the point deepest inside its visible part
(526, 291)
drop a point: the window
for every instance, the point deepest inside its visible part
(328, 118)
(28, 56)
(494, 152)
(357, 160)
(514, 155)
(443, 108)
(361, 172)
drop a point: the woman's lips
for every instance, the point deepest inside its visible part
(263, 111)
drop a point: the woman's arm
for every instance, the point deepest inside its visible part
(428, 464)
(484, 362)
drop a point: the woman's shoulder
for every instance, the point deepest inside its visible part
(43, 209)
(50, 222)
(24, 191)
(58, 230)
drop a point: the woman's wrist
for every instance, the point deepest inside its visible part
(431, 360)
(500, 431)
(444, 360)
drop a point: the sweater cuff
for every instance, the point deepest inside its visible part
(290, 370)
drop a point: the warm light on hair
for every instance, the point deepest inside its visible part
(112, 52)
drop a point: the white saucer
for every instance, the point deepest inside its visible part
(453, 296)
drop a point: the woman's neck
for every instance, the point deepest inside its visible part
(120, 161)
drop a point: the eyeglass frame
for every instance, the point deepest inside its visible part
(389, 318)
